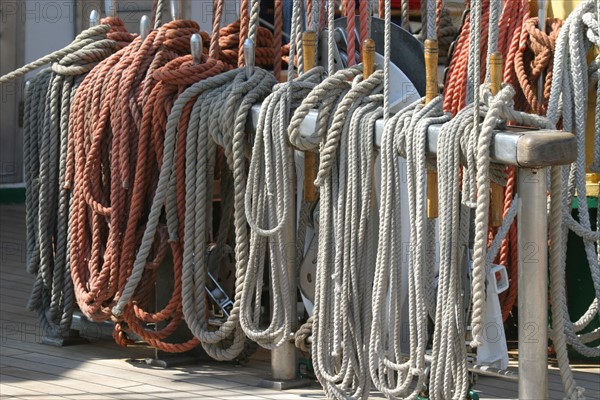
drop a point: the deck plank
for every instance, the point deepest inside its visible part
(103, 370)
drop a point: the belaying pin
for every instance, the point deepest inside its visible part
(249, 57)
(176, 9)
(144, 27)
(94, 18)
(196, 48)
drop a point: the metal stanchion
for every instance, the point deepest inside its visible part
(284, 360)
(533, 284)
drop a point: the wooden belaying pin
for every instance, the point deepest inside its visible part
(497, 191)
(144, 27)
(175, 9)
(431, 92)
(110, 6)
(309, 41)
(94, 18)
(368, 57)
(196, 48)
(431, 65)
(249, 57)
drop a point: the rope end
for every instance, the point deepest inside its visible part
(476, 342)
(117, 311)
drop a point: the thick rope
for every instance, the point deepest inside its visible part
(46, 138)
(568, 96)
(341, 322)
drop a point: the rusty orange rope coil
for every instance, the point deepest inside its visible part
(171, 80)
(118, 122)
(229, 44)
(118, 31)
(455, 87)
(534, 58)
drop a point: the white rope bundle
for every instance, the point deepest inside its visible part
(46, 138)
(267, 202)
(405, 135)
(448, 369)
(568, 100)
(347, 227)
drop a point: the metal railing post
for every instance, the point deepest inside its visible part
(284, 360)
(533, 284)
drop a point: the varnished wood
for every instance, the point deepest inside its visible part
(368, 57)
(431, 65)
(431, 91)
(497, 190)
(309, 40)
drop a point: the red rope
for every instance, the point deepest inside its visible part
(351, 34)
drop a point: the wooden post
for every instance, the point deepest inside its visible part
(368, 56)
(497, 195)
(309, 39)
(431, 91)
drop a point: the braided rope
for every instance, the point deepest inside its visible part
(84, 40)
(341, 324)
(46, 137)
(570, 85)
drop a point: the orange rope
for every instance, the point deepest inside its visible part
(244, 27)
(455, 87)
(534, 58)
(278, 37)
(118, 119)
(364, 21)
(350, 33)
(229, 42)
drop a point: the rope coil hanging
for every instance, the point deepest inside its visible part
(572, 79)
(46, 140)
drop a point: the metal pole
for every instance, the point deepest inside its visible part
(284, 360)
(533, 284)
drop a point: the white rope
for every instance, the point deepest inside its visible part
(46, 137)
(268, 207)
(387, 51)
(405, 134)
(430, 18)
(568, 97)
(342, 315)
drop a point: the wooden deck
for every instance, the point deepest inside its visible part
(103, 370)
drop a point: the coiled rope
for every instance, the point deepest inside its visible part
(138, 75)
(347, 223)
(46, 139)
(393, 373)
(268, 200)
(573, 77)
